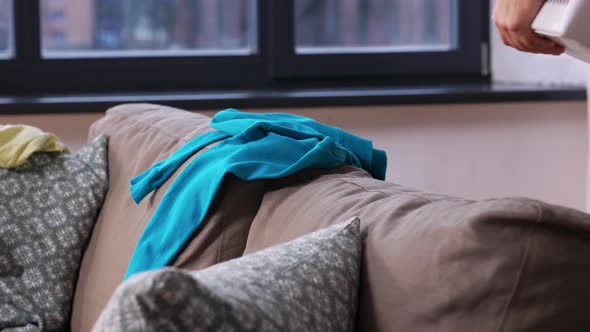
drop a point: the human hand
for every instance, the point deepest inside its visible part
(513, 18)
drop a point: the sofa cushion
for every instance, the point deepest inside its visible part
(48, 207)
(141, 135)
(437, 263)
(309, 284)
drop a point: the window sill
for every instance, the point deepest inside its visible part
(298, 97)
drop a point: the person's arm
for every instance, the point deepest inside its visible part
(513, 18)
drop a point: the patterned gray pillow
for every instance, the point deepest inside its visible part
(309, 284)
(48, 207)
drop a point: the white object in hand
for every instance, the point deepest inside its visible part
(568, 23)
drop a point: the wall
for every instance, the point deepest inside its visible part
(536, 150)
(71, 128)
(509, 65)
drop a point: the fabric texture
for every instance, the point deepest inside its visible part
(430, 262)
(254, 146)
(19, 142)
(309, 284)
(439, 263)
(139, 136)
(47, 211)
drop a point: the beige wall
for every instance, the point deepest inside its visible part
(71, 128)
(476, 151)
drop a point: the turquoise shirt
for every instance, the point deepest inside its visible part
(253, 146)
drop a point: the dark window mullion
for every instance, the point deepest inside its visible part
(262, 24)
(27, 31)
(281, 31)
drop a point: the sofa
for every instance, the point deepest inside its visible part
(430, 262)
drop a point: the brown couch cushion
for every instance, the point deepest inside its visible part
(140, 135)
(434, 263)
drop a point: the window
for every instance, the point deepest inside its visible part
(355, 26)
(379, 38)
(152, 45)
(6, 28)
(135, 28)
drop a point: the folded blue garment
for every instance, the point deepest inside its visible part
(253, 146)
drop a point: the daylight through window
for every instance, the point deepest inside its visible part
(338, 26)
(99, 28)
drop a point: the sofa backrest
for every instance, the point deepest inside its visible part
(430, 262)
(437, 263)
(139, 136)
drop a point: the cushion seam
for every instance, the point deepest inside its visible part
(521, 270)
(380, 191)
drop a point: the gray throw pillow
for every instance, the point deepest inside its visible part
(48, 207)
(309, 284)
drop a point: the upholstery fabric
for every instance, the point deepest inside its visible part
(139, 136)
(438, 263)
(48, 207)
(309, 284)
(430, 262)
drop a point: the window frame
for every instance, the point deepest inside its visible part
(29, 72)
(467, 59)
(274, 66)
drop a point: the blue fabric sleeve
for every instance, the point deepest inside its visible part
(254, 146)
(379, 164)
(372, 160)
(185, 204)
(160, 172)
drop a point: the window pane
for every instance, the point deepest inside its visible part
(99, 28)
(6, 28)
(337, 26)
